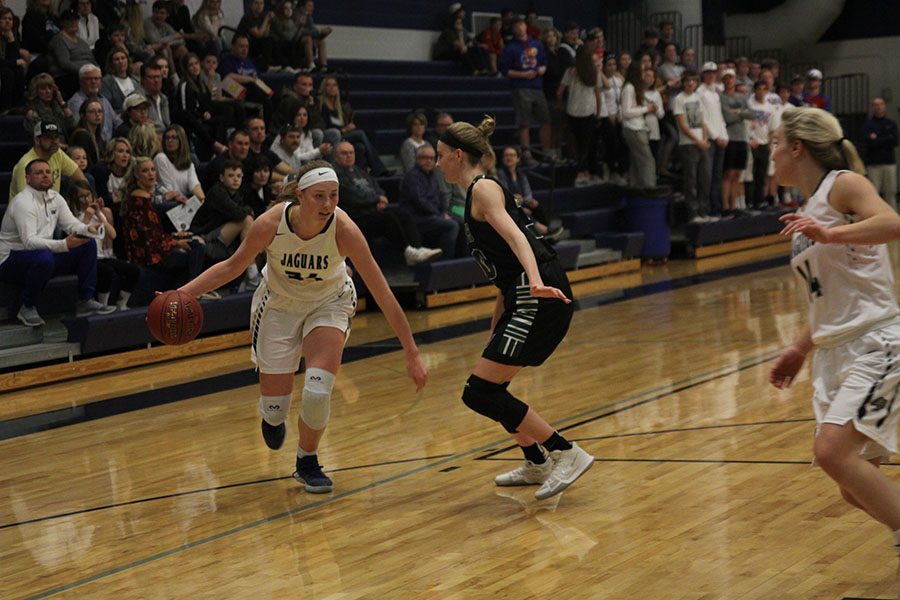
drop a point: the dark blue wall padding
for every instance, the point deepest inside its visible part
(585, 223)
(704, 234)
(128, 329)
(585, 198)
(630, 244)
(449, 274)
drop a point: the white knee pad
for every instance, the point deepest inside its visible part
(316, 407)
(274, 409)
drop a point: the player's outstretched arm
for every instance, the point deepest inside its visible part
(353, 245)
(261, 233)
(851, 194)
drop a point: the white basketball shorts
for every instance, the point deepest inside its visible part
(278, 325)
(858, 381)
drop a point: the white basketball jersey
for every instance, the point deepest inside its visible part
(850, 286)
(304, 270)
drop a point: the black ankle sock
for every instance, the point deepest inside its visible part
(556, 442)
(534, 454)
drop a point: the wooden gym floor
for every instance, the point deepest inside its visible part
(702, 487)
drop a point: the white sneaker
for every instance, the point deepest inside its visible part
(528, 473)
(568, 466)
(415, 256)
(29, 316)
(92, 307)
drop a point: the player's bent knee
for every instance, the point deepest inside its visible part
(316, 408)
(274, 409)
(493, 401)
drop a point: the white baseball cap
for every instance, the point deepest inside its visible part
(814, 74)
(729, 72)
(709, 66)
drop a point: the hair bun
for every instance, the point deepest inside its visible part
(487, 126)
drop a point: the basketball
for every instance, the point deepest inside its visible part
(174, 317)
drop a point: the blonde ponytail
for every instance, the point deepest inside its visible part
(822, 136)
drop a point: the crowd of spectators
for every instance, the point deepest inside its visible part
(157, 142)
(154, 144)
(622, 115)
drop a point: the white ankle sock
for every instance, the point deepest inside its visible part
(301, 452)
(122, 302)
(103, 298)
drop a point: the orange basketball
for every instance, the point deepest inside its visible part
(174, 317)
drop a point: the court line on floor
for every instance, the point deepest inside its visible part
(20, 426)
(679, 386)
(210, 489)
(632, 401)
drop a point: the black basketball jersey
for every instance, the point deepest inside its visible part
(491, 251)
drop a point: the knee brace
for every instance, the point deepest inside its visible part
(274, 409)
(494, 402)
(316, 407)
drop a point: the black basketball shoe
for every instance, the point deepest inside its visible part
(311, 475)
(273, 435)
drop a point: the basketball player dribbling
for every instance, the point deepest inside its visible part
(307, 300)
(841, 260)
(531, 315)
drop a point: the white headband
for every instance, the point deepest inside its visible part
(314, 176)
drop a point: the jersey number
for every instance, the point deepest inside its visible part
(815, 288)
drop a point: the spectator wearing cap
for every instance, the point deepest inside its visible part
(68, 53)
(421, 198)
(880, 137)
(90, 81)
(136, 110)
(717, 130)
(813, 96)
(29, 254)
(46, 148)
(524, 63)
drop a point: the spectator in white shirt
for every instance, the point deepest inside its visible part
(88, 24)
(653, 118)
(760, 132)
(287, 147)
(693, 145)
(175, 171)
(30, 256)
(717, 131)
(635, 106)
